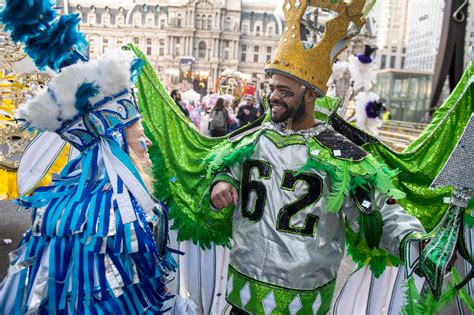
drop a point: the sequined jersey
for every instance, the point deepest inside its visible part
(287, 248)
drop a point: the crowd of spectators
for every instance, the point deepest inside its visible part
(225, 116)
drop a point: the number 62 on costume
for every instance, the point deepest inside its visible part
(290, 178)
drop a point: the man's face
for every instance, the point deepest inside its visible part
(178, 96)
(285, 96)
(138, 142)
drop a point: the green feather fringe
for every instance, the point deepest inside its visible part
(412, 299)
(462, 293)
(227, 156)
(346, 177)
(427, 304)
(196, 223)
(340, 181)
(377, 259)
(340, 187)
(372, 227)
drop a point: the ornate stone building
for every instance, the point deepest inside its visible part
(212, 35)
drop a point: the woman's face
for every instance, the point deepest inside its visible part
(138, 142)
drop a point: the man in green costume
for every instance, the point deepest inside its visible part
(294, 182)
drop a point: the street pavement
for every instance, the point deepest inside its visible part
(13, 224)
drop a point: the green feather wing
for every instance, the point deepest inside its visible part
(178, 152)
(421, 162)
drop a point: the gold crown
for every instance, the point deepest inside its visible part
(313, 66)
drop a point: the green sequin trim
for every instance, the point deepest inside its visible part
(283, 141)
(436, 255)
(283, 297)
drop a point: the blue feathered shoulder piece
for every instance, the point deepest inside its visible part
(49, 41)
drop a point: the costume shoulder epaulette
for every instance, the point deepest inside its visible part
(340, 146)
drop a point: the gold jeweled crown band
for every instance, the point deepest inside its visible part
(313, 66)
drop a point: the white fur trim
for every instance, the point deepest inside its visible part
(111, 73)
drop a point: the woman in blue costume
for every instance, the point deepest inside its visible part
(97, 243)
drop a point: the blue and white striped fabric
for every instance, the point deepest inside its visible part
(83, 253)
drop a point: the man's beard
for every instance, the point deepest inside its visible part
(295, 114)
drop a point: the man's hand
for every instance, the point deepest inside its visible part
(223, 194)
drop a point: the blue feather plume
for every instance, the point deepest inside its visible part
(27, 18)
(85, 91)
(58, 44)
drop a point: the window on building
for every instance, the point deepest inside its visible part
(198, 21)
(178, 40)
(402, 65)
(179, 20)
(383, 63)
(202, 49)
(394, 49)
(161, 51)
(120, 20)
(136, 40)
(149, 43)
(393, 59)
(226, 54)
(227, 23)
(245, 29)
(162, 23)
(91, 17)
(119, 42)
(105, 44)
(269, 53)
(257, 31)
(270, 31)
(209, 22)
(91, 46)
(149, 21)
(177, 51)
(243, 53)
(137, 19)
(106, 19)
(256, 51)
